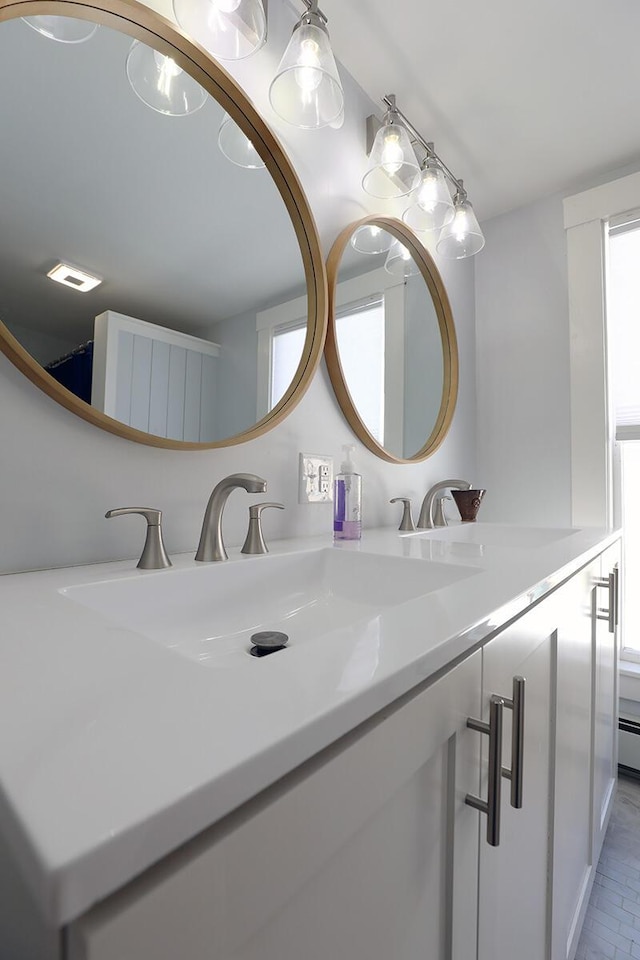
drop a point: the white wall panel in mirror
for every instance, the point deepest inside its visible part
(391, 348)
(181, 238)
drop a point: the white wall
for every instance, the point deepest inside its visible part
(523, 385)
(59, 475)
(522, 333)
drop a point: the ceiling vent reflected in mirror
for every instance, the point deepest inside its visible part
(74, 277)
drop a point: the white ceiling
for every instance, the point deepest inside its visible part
(522, 99)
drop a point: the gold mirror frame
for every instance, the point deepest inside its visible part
(444, 315)
(142, 23)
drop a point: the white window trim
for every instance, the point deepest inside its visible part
(586, 217)
(291, 314)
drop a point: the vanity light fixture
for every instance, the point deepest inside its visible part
(74, 277)
(229, 29)
(63, 29)
(394, 171)
(161, 83)
(237, 147)
(399, 261)
(306, 90)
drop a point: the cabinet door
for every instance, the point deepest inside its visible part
(513, 893)
(369, 851)
(605, 694)
(572, 841)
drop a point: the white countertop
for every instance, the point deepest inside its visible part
(115, 750)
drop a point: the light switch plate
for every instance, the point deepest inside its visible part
(315, 475)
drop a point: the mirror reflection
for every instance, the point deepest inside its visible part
(391, 342)
(196, 325)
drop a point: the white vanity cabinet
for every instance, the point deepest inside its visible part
(377, 847)
(368, 852)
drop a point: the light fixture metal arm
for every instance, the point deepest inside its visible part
(312, 7)
(389, 101)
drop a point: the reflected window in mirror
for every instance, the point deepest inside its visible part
(286, 350)
(360, 331)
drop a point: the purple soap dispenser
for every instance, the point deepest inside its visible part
(347, 500)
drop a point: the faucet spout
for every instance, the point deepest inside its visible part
(426, 520)
(211, 546)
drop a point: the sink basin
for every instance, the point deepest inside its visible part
(208, 612)
(494, 535)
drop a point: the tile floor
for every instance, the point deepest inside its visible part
(612, 927)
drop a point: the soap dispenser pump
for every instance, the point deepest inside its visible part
(347, 501)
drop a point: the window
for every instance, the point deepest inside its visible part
(623, 341)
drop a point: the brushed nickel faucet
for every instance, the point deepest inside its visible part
(211, 546)
(427, 520)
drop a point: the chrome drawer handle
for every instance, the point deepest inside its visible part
(491, 806)
(611, 583)
(516, 773)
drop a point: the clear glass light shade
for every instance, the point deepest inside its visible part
(229, 29)
(463, 236)
(433, 207)
(394, 170)
(63, 29)
(371, 239)
(399, 261)
(161, 83)
(237, 147)
(306, 90)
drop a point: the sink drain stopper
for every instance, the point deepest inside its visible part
(267, 641)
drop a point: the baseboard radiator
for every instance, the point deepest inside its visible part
(629, 745)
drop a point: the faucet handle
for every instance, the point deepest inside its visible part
(254, 542)
(407, 520)
(154, 556)
(440, 517)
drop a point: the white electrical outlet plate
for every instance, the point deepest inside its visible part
(315, 478)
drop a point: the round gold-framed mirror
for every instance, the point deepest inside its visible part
(236, 285)
(391, 346)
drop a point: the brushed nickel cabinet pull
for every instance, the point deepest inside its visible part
(491, 806)
(516, 773)
(609, 614)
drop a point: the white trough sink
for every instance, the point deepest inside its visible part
(209, 612)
